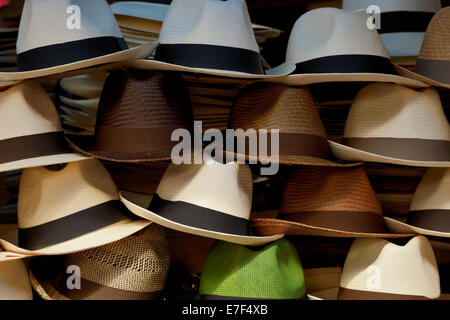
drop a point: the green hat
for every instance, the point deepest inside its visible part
(233, 271)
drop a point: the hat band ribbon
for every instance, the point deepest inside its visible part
(74, 225)
(436, 219)
(351, 294)
(404, 21)
(346, 64)
(216, 297)
(210, 57)
(348, 221)
(403, 148)
(199, 217)
(33, 146)
(290, 144)
(68, 52)
(437, 70)
(94, 291)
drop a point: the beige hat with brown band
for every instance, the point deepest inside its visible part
(14, 281)
(134, 268)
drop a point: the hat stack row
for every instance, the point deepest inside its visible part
(117, 105)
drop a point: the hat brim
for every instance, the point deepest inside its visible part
(90, 105)
(143, 10)
(135, 53)
(325, 294)
(41, 161)
(347, 153)
(45, 288)
(266, 227)
(401, 227)
(143, 64)
(131, 199)
(416, 76)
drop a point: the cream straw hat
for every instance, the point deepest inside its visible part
(389, 123)
(14, 281)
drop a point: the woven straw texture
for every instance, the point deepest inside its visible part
(433, 191)
(273, 272)
(435, 44)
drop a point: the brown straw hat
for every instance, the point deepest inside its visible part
(302, 136)
(433, 63)
(134, 268)
(333, 202)
(137, 114)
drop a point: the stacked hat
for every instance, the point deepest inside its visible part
(389, 123)
(9, 16)
(333, 202)
(134, 268)
(14, 281)
(234, 272)
(429, 212)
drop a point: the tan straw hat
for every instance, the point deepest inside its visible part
(332, 202)
(71, 209)
(209, 37)
(376, 269)
(30, 130)
(56, 36)
(333, 45)
(429, 213)
(14, 281)
(433, 63)
(302, 136)
(134, 268)
(393, 124)
(211, 200)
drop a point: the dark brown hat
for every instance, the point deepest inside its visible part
(137, 113)
(333, 202)
(302, 136)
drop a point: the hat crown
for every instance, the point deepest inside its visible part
(435, 45)
(26, 109)
(221, 187)
(394, 5)
(138, 263)
(377, 265)
(45, 22)
(210, 22)
(147, 100)
(329, 189)
(384, 110)
(43, 192)
(329, 32)
(275, 106)
(433, 191)
(14, 281)
(274, 272)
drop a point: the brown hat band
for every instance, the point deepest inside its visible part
(437, 70)
(350, 221)
(290, 144)
(350, 294)
(437, 219)
(403, 148)
(33, 146)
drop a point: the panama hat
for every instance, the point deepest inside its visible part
(66, 45)
(136, 117)
(393, 124)
(30, 130)
(272, 272)
(302, 136)
(429, 213)
(71, 209)
(134, 268)
(334, 45)
(332, 202)
(208, 37)
(14, 281)
(433, 63)
(376, 269)
(403, 22)
(211, 200)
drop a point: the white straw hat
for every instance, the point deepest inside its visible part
(30, 130)
(393, 124)
(429, 213)
(211, 200)
(56, 36)
(333, 45)
(212, 37)
(376, 269)
(403, 22)
(68, 210)
(14, 281)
